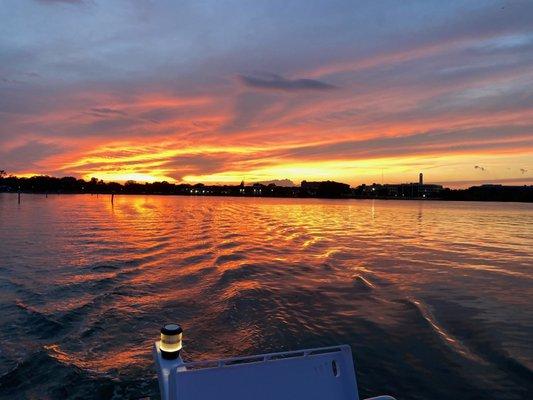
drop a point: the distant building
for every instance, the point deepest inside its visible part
(401, 190)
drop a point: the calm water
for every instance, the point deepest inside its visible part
(435, 298)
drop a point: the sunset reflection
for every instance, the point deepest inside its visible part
(260, 272)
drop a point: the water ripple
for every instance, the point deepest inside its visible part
(418, 289)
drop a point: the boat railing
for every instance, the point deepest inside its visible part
(310, 374)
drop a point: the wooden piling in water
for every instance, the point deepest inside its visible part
(19, 198)
(112, 198)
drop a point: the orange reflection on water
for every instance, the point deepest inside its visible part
(264, 274)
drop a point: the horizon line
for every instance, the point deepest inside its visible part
(455, 184)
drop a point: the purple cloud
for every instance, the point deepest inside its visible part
(277, 82)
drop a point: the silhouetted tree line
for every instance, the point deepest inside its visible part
(490, 193)
(48, 184)
(325, 189)
(51, 185)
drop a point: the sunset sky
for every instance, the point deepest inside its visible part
(221, 91)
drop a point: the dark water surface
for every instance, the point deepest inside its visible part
(435, 298)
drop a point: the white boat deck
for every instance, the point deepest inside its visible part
(321, 373)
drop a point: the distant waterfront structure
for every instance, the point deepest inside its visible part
(414, 190)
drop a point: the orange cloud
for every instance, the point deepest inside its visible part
(399, 111)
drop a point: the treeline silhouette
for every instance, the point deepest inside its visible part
(71, 185)
(325, 189)
(490, 193)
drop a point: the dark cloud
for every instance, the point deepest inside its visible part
(61, 1)
(28, 156)
(277, 82)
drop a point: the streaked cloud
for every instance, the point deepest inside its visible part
(157, 90)
(104, 111)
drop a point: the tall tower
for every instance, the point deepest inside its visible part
(421, 179)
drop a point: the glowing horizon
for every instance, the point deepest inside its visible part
(338, 92)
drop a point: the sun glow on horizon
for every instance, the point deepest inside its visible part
(355, 172)
(110, 176)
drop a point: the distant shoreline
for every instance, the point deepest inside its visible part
(320, 189)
